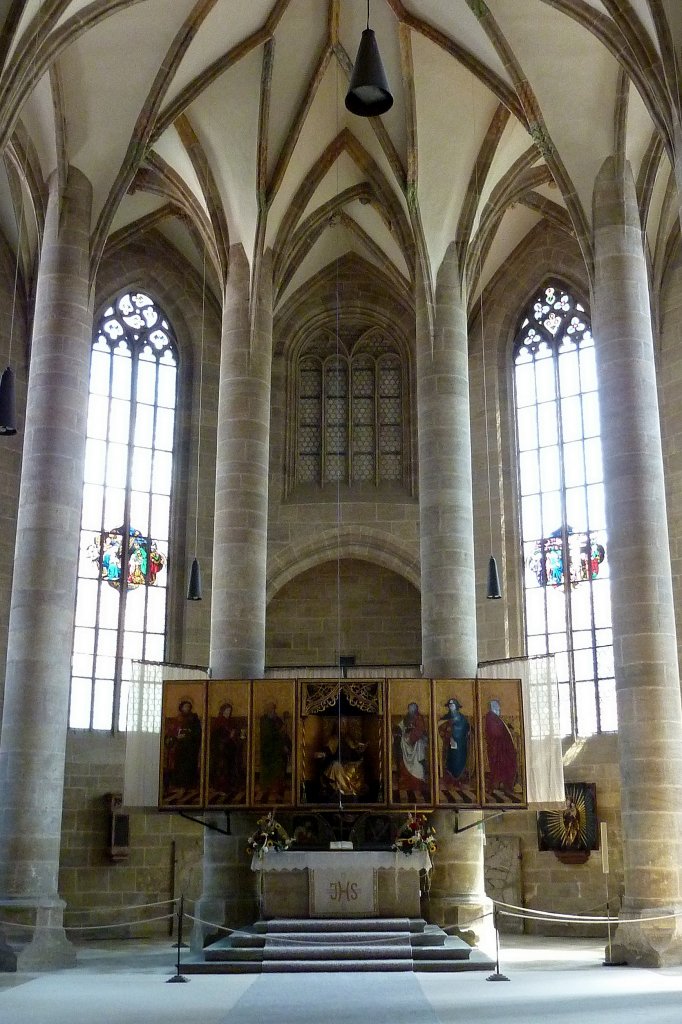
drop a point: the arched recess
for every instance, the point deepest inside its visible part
(149, 262)
(546, 254)
(343, 543)
(344, 606)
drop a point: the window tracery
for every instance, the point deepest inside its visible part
(125, 519)
(566, 581)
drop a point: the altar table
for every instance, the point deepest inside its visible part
(340, 883)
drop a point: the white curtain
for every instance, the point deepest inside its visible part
(544, 765)
(143, 729)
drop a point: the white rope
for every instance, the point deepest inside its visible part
(548, 915)
(132, 906)
(85, 927)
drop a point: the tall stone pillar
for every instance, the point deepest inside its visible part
(448, 599)
(239, 554)
(35, 718)
(644, 638)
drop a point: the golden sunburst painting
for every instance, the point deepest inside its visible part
(574, 826)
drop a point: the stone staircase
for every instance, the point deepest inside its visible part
(349, 944)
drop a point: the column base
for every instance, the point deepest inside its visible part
(469, 917)
(8, 958)
(49, 948)
(643, 942)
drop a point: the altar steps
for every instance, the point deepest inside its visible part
(377, 944)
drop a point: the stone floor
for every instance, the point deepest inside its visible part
(550, 980)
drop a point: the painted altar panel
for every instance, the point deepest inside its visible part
(228, 743)
(410, 742)
(274, 742)
(455, 742)
(341, 752)
(501, 743)
(183, 728)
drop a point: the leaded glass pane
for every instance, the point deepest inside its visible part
(98, 409)
(548, 432)
(550, 468)
(390, 467)
(530, 471)
(608, 713)
(164, 433)
(103, 703)
(79, 705)
(119, 421)
(525, 385)
(121, 372)
(117, 465)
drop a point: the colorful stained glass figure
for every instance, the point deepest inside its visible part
(145, 561)
(585, 556)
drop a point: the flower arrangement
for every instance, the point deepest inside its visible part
(269, 835)
(415, 834)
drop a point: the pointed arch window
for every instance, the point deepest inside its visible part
(566, 570)
(350, 408)
(125, 520)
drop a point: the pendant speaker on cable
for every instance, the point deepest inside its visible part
(368, 94)
(8, 404)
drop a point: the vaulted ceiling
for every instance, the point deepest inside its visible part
(219, 122)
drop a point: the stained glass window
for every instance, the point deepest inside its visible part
(566, 582)
(125, 519)
(350, 423)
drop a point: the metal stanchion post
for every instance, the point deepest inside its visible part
(609, 962)
(177, 977)
(496, 976)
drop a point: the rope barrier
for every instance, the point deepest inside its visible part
(86, 927)
(548, 915)
(131, 906)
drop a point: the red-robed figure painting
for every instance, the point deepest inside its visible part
(501, 751)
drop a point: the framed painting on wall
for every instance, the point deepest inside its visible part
(573, 831)
(501, 742)
(183, 728)
(455, 742)
(341, 752)
(273, 742)
(228, 743)
(410, 742)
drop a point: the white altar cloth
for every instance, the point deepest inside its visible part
(374, 860)
(340, 883)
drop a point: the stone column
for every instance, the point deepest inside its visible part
(35, 718)
(239, 555)
(644, 637)
(449, 646)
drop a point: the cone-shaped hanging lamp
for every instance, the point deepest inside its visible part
(194, 592)
(494, 592)
(8, 404)
(368, 95)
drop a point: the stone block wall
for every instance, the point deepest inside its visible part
(548, 884)
(165, 850)
(377, 612)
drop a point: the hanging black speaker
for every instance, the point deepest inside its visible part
(194, 592)
(494, 592)
(368, 94)
(8, 403)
